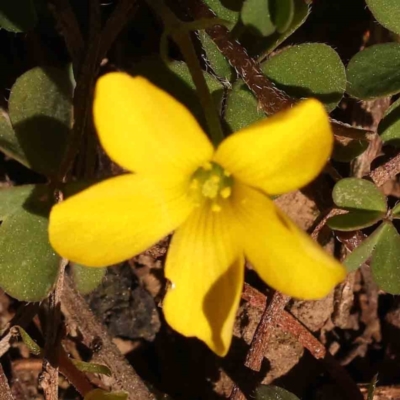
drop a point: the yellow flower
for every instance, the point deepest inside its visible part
(216, 200)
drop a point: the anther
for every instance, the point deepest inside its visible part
(225, 192)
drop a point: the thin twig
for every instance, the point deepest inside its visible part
(291, 325)
(78, 313)
(70, 29)
(114, 25)
(265, 327)
(49, 375)
(5, 391)
(386, 172)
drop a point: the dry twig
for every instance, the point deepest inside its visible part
(5, 391)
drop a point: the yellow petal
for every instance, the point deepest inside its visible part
(281, 153)
(144, 129)
(284, 256)
(116, 219)
(206, 268)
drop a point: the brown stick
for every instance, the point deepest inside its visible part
(261, 337)
(78, 313)
(386, 172)
(5, 391)
(70, 29)
(49, 375)
(290, 324)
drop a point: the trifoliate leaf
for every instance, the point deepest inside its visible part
(28, 265)
(309, 70)
(355, 220)
(363, 252)
(387, 13)
(374, 72)
(256, 16)
(241, 108)
(385, 261)
(40, 110)
(358, 194)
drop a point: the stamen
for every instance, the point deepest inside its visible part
(225, 192)
(211, 184)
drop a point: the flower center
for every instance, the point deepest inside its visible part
(211, 183)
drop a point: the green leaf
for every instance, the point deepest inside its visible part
(389, 126)
(349, 151)
(17, 15)
(28, 265)
(40, 109)
(227, 10)
(256, 16)
(91, 367)
(217, 61)
(270, 43)
(355, 220)
(265, 392)
(361, 254)
(29, 342)
(309, 70)
(87, 279)
(241, 108)
(358, 194)
(13, 198)
(98, 394)
(385, 263)
(8, 141)
(374, 72)
(283, 13)
(396, 211)
(387, 13)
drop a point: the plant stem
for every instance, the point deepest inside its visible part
(181, 36)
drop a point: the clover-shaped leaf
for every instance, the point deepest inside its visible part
(387, 13)
(363, 252)
(17, 15)
(309, 70)
(229, 11)
(375, 72)
(256, 16)
(241, 108)
(267, 392)
(385, 261)
(28, 265)
(282, 14)
(217, 61)
(365, 203)
(348, 150)
(389, 126)
(266, 45)
(358, 194)
(40, 111)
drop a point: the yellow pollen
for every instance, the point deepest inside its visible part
(210, 188)
(216, 207)
(225, 192)
(227, 173)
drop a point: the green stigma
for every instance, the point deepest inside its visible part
(211, 182)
